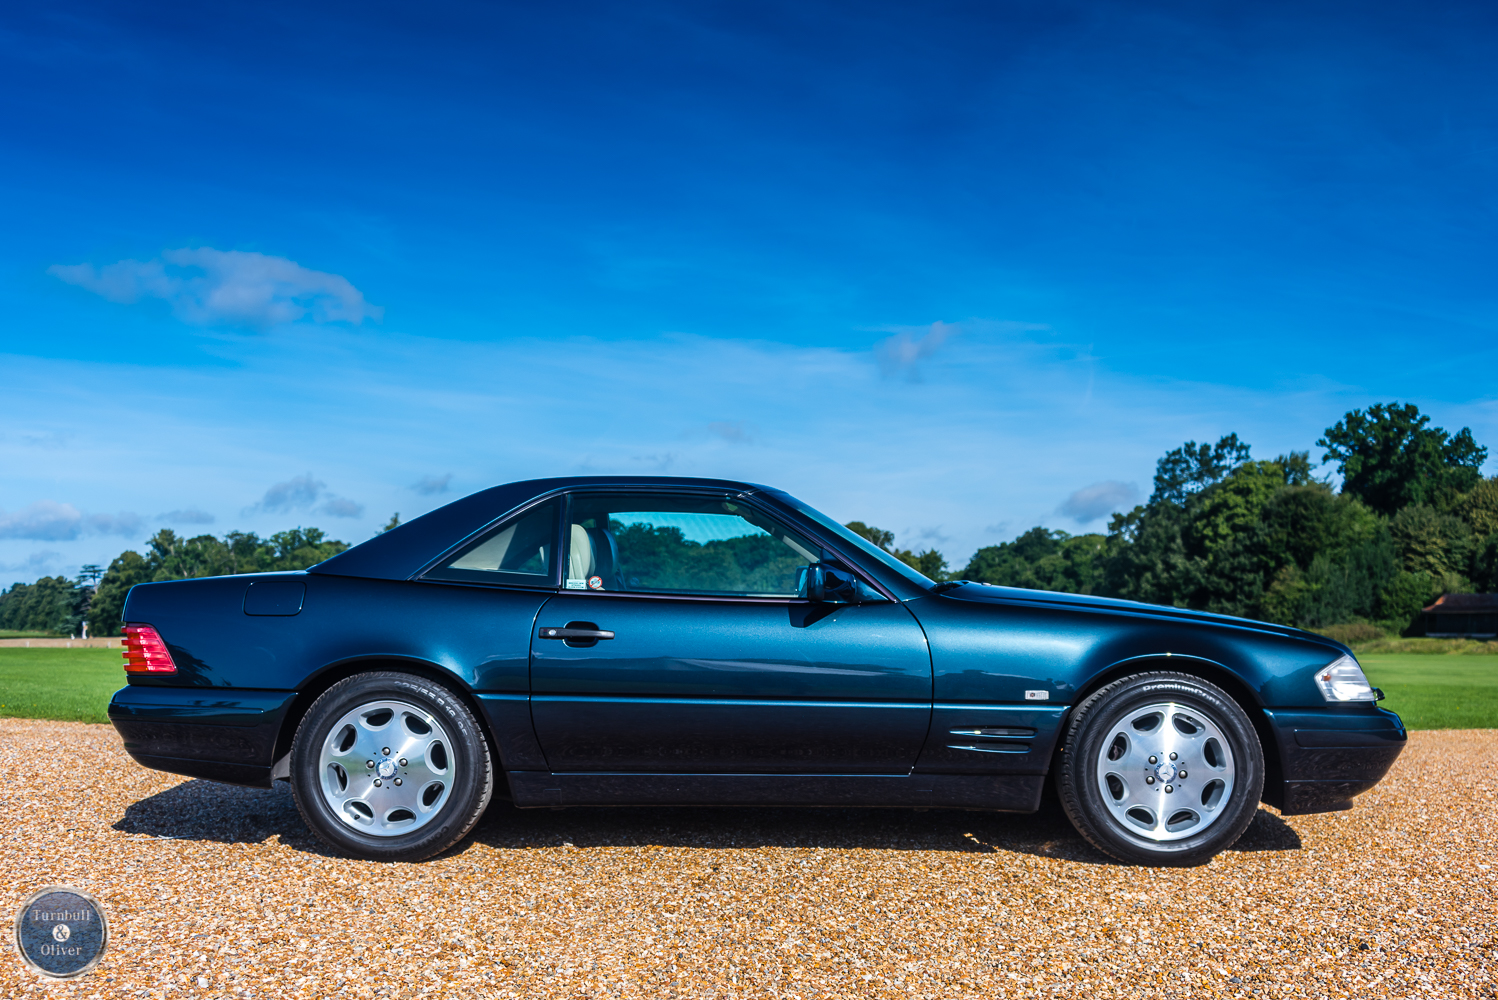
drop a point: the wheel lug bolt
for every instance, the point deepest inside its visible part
(1172, 756)
(369, 763)
(1154, 760)
(403, 762)
(397, 781)
(1149, 779)
(378, 782)
(386, 751)
(1170, 788)
(1181, 773)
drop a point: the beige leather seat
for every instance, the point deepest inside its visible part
(581, 562)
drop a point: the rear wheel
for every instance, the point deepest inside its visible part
(390, 767)
(1160, 769)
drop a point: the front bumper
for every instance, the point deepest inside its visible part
(224, 735)
(1326, 756)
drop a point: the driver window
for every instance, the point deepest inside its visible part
(683, 544)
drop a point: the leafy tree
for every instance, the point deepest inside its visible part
(1429, 541)
(652, 556)
(395, 520)
(1479, 508)
(51, 604)
(127, 569)
(1041, 559)
(1268, 540)
(1485, 565)
(1193, 467)
(930, 562)
(883, 539)
(1390, 459)
(169, 557)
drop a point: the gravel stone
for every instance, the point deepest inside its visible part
(217, 891)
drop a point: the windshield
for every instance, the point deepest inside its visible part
(856, 540)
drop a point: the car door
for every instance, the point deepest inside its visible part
(680, 644)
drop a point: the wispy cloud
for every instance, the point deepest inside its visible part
(1098, 500)
(429, 486)
(302, 493)
(189, 516)
(35, 565)
(660, 463)
(732, 431)
(208, 287)
(902, 353)
(296, 493)
(50, 521)
(342, 507)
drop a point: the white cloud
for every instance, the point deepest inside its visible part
(902, 353)
(208, 287)
(189, 516)
(296, 493)
(732, 431)
(300, 493)
(1098, 500)
(660, 463)
(432, 485)
(35, 565)
(341, 507)
(50, 521)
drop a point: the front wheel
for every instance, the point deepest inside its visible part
(1160, 769)
(390, 767)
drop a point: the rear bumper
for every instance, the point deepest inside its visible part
(1327, 756)
(225, 735)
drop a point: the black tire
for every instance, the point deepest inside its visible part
(1123, 794)
(463, 786)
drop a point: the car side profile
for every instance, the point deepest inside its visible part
(597, 641)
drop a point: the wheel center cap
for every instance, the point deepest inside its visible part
(385, 768)
(1166, 772)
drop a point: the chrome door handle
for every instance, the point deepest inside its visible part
(561, 632)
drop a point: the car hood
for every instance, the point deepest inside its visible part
(985, 593)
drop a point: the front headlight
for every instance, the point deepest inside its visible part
(1343, 680)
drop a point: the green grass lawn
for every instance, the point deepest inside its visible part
(1428, 692)
(1437, 692)
(73, 685)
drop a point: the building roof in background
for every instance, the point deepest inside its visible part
(1471, 603)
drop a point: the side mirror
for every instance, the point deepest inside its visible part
(831, 586)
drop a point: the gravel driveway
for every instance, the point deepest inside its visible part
(221, 891)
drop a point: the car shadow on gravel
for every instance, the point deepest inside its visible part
(227, 814)
(1047, 833)
(208, 811)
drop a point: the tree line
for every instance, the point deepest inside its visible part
(58, 604)
(1266, 539)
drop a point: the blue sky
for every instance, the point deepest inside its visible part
(951, 269)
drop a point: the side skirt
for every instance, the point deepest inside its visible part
(1000, 793)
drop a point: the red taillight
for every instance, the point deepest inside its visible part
(145, 653)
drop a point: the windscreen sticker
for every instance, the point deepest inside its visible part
(595, 583)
